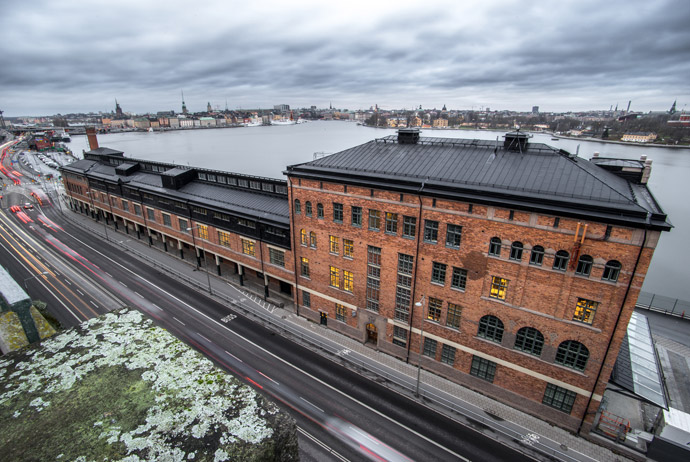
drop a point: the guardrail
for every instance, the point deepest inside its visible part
(663, 304)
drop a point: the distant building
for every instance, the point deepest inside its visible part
(281, 108)
(639, 137)
(441, 123)
(535, 109)
(683, 121)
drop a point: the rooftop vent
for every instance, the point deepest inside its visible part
(516, 141)
(408, 135)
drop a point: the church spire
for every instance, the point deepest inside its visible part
(184, 106)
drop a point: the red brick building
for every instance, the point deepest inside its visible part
(514, 268)
(519, 263)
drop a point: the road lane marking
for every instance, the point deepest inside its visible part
(179, 321)
(90, 301)
(311, 404)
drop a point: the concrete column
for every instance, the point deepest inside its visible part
(198, 257)
(179, 246)
(265, 286)
(218, 264)
(240, 270)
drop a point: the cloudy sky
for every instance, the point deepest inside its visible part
(79, 56)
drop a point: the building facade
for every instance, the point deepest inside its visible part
(512, 269)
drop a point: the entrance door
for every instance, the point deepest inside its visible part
(372, 333)
(324, 318)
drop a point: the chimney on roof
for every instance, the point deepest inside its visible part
(516, 141)
(408, 135)
(646, 170)
(91, 135)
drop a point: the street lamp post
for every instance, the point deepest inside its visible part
(421, 345)
(93, 207)
(208, 277)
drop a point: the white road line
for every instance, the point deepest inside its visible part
(179, 321)
(122, 283)
(110, 275)
(156, 306)
(80, 292)
(90, 301)
(268, 377)
(67, 281)
(311, 404)
(204, 337)
(138, 294)
(233, 356)
(320, 443)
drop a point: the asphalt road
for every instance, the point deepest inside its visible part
(341, 414)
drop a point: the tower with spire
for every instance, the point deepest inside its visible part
(184, 106)
(118, 110)
(673, 108)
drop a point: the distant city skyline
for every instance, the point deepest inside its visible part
(78, 57)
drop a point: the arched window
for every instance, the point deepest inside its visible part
(529, 340)
(298, 207)
(560, 261)
(491, 328)
(319, 210)
(572, 353)
(516, 251)
(307, 208)
(584, 265)
(495, 247)
(312, 239)
(611, 270)
(303, 235)
(537, 255)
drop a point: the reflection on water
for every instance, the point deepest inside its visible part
(266, 151)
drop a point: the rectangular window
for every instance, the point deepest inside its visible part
(183, 225)
(459, 280)
(498, 288)
(448, 354)
(306, 299)
(405, 263)
(585, 311)
(430, 231)
(483, 368)
(276, 257)
(348, 248)
(248, 247)
(125, 206)
(356, 216)
(203, 232)
(559, 398)
(337, 212)
(454, 314)
(430, 347)
(434, 312)
(391, 223)
(150, 214)
(536, 257)
(438, 273)
(304, 267)
(373, 256)
(453, 236)
(374, 220)
(373, 293)
(335, 277)
(399, 336)
(166, 219)
(224, 238)
(409, 227)
(402, 304)
(333, 244)
(340, 312)
(348, 281)
(246, 223)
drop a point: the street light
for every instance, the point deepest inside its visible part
(93, 207)
(32, 277)
(421, 345)
(205, 257)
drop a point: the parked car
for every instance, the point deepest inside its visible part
(29, 206)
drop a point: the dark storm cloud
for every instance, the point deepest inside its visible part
(78, 56)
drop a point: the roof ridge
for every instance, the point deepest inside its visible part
(591, 174)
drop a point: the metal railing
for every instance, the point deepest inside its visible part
(663, 304)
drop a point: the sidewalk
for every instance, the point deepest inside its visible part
(510, 426)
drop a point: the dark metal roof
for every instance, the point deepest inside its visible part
(541, 177)
(247, 203)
